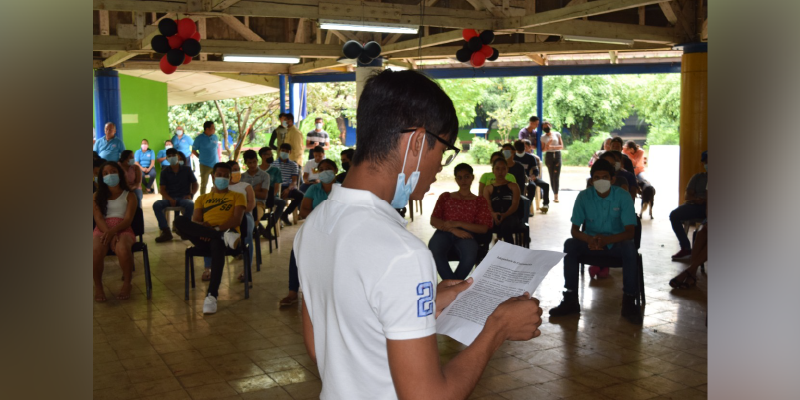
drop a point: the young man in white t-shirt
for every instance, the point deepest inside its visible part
(310, 171)
(370, 295)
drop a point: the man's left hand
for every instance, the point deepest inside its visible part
(447, 291)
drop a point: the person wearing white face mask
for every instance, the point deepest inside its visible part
(317, 137)
(146, 161)
(133, 174)
(606, 212)
(311, 169)
(370, 298)
(693, 208)
(182, 142)
(177, 189)
(161, 157)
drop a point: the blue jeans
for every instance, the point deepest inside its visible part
(467, 249)
(294, 278)
(625, 250)
(138, 193)
(149, 178)
(683, 213)
(159, 206)
(248, 241)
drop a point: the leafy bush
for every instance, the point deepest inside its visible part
(481, 150)
(579, 153)
(662, 136)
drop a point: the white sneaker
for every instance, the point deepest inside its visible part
(210, 305)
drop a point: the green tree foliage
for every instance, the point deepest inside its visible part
(579, 153)
(465, 94)
(481, 150)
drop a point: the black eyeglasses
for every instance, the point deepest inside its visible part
(450, 152)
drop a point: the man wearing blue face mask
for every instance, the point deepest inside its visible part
(214, 213)
(290, 172)
(177, 189)
(609, 219)
(370, 296)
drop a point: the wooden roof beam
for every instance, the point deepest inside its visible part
(240, 28)
(523, 49)
(572, 12)
(205, 66)
(612, 30)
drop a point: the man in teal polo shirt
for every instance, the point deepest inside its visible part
(609, 218)
(109, 147)
(205, 149)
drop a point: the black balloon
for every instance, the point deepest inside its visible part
(372, 49)
(352, 49)
(475, 44)
(191, 47)
(494, 56)
(168, 27)
(364, 58)
(160, 44)
(487, 37)
(463, 55)
(175, 57)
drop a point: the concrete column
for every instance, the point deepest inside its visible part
(694, 111)
(107, 101)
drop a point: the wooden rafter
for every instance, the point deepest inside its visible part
(105, 43)
(313, 66)
(205, 66)
(613, 30)
(219, 5)
(522, 49)
(143, 44)
(240, 28)
(535, 58)
(577, 11)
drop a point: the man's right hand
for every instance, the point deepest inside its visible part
(517, 318)
(285, 194)
(172, 202)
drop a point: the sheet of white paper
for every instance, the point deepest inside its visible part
(507, 271)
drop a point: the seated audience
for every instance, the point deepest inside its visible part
(260, 181)
(289, 175)
(606, 212)
(636, 154)
(214, 214)
(96, 164)
(503, 199)
(310, 170)
(688, 277)
(275, 179)
(113, 209)
(624, 179)
(606, 146)
(346, 157)
(239, 186)
(315, 195)
(489, 178)
(521, 178)
(161, 157)
(178, 187)
(616, 145)
(145, 160)
(133, 175)
(461, 220)
(694, 207)
(533, 168)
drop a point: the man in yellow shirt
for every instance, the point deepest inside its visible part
(294, 138)
(214, 214)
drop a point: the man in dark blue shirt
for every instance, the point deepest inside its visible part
(178, 187)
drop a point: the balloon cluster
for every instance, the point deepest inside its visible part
(477, 50)
(364, 54)
(179, 41)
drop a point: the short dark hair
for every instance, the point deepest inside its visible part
(220, 165)
(329, 161)
(508, 145)
(286, 146)
(263, 151)
(318, 149)
(207, 124)
(181, 156)
(602, 165)
(349, 153)
(281, 115)
(499, 160)
(519, 146)
(172, 152)
(527, 142)
(318, 119)
(396, 100)
(534, 119)
(232, 163)
(497, 154)
(462, 167)
(617, 139)
(125, 154)
(616, 154)
(145, 140)
(249, 155)
(98, 162)
(632, 145)
(168, 141)
(289, 116)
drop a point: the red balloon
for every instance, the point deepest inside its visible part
(487, 51)
(469, 34)
(187, 60)
(186, 28)
(478, 59)
(196, 36)
(175, 41)
(166, 67)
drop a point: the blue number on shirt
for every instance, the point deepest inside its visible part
(425, 303)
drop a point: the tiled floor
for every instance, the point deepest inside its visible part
(165, 348)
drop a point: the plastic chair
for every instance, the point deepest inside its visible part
(192, 252)
(138, 247)
(411, 208)
(176, 210)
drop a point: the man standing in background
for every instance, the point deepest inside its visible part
(183, 143)
(317, 137)
(295, 139)
(529, 132)
(279, 134)
(205, 148)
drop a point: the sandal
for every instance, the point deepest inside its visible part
(687, 282)
(206, 276)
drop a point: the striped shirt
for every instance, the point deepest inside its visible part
(289, 169)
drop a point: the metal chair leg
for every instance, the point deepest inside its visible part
(186, 276)
(147, 279)
(641, 279)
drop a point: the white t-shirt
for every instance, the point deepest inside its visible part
(554, 139)
(365, 279)
(309, 168)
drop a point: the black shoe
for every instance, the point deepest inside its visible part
(630, 310)
(568, 306)
(166, 236)
(285, 220)
(265, 232)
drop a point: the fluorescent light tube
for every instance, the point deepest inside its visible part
(590, 39)
(367, 27)
(261, 59)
